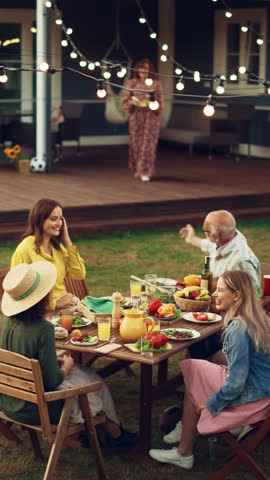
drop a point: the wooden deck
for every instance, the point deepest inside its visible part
(99, 193)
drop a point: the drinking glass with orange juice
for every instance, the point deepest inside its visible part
(135, 287)
(104, 328)
(66, 321)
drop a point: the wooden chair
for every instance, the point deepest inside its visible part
(242, 451)
(21, 378)
(77, 287)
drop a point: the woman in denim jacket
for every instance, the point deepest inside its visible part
(220, 398)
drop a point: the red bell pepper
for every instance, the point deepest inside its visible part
(154, 305)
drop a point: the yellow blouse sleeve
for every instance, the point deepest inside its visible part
(75, 267)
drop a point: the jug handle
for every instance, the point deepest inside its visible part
(150, 326)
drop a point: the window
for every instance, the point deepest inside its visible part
(17, 49)
(234, 48)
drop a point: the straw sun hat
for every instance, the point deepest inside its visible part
(25, 285)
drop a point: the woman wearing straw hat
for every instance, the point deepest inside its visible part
(25, 299)
(47, 228)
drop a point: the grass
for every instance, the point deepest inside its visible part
(110, 261)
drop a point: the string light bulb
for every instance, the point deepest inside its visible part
(164, 47)
(44, 66)
(122, 72)
(3, 75)
(259, 41)
(163, 58)
(244, 28)
(69, 31)
(107, 74)
(180, 85)
(149, 80)
(196, 76)
(101, 89)
(233, 77)
(153, 104)
(97, 64)
(48, 4)
(220, 88)
(64, 43)
(228, 14)
(178, 71)
(59, 21)
(83, 63)
(209, 108)
(242, 69)
(153, 35)
(266, 85)
(73, 54)
(142, 20)
(91, 66)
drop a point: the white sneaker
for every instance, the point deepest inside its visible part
(175, 435)
(144, 178)
(172, 456)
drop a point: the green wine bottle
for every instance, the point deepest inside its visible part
(206, 276)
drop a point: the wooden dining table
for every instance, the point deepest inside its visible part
(122, 357)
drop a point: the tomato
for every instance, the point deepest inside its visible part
(195, 314)
(202, 317)
(78, 339)
(157, 315)
(154, 305)
(158, 340)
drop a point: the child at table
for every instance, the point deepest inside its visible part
(25, 299)
(220, 398)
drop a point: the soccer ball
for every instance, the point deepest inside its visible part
(37, 165)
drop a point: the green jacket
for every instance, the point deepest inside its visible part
(36, 341)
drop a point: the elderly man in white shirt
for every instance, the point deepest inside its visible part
(228, 250)
(226, 246)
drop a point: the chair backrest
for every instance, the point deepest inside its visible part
(21, 377)
(77, 287)
(3, 273)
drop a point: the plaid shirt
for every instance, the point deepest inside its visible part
(234, 255)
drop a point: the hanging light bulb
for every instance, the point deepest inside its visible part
(209, 108)
(153, 35)
(196, 76)
(153, 104)
(97, 64)
(233, 77)
(44, 66)
(222, 77)
(91, 66)
(259, 41)
(64, 43)
(149, 80)
(33, 29)
(266, 85)
(164, 47)
(228, 14)
(180, 86)
(59, 21)
(48, 4)
(3, 75)
(122, 72)
(69, 31)
(244, 28)
(73, 54)
(83, 63)
(242, 69)
(163, 58)
(142, 20)
(178, 71)
(214, 0)
(101, 89)
(107, 74)
(220, 88)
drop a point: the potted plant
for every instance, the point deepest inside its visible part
(18, 157)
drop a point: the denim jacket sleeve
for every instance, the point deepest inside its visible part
(237, 349)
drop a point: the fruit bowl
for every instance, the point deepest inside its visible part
(191, 305)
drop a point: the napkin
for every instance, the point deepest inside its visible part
(110, 347)
(98, 305)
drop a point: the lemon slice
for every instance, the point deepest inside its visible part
(92, 339)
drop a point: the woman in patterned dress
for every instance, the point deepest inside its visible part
(144, 123)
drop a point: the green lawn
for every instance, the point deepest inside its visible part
(110, 261)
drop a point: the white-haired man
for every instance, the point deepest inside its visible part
(226, 246)
(228, 250)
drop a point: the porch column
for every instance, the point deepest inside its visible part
(43, 81)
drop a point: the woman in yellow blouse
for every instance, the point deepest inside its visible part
(42, 241)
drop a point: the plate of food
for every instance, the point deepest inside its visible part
(166, 282)
(202, 317)
(76, 322)
(84, 340)
(181, 333)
